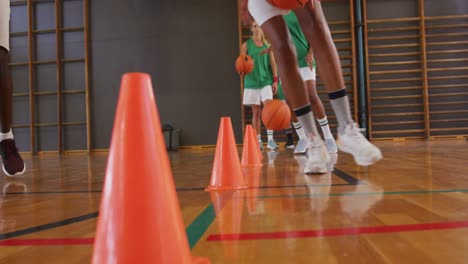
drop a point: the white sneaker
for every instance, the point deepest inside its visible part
(352, 141)
(301, 147)
(331, 145)
(272, 144)
(317, 157)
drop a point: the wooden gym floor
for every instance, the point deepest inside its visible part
(412, 207)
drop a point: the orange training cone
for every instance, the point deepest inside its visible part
(258, 144)
(250, 155)
(227, 173)
(139, 219)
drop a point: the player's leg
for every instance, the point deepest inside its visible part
(350, 138)
(12, 162)
(276, 31)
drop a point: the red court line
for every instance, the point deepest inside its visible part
(47, 242)
(339, 231)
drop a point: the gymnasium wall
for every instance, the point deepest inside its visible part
(188, 48)
(415, 70)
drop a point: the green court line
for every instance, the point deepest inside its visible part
(199, 226)
(364, 193)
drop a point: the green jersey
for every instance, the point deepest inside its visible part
(261, 75)
(300, 41)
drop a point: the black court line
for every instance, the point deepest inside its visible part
(187, 189)
(346, 177)
(52, 225)
(55, 192)
(343, 175)
(350, 180)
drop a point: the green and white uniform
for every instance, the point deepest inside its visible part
(257, 84)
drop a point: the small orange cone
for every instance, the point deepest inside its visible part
(227, 173)
(250, 149)
(140, 219)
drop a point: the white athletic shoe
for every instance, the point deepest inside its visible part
(352, 141)
(331, 145)
(272, 144)
(317, 157)
(301, 147)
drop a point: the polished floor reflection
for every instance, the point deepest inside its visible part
(412, 207)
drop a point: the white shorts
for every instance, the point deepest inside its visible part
(262, 11)
(307, 74)
(5, 24)
(257, 96)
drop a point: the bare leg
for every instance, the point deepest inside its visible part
(316, 103)
(317, 32)
(12, 162)
(277, 32)
(256, 123)
(315, 28)
(5, 92)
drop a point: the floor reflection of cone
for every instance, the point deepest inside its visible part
(139, 219)
(252, 177)
(228, 207)
(226, 173)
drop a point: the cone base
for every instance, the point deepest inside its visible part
(200, 260)
(226, 188)
(252, 165)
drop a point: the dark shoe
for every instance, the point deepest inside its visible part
(13, 164)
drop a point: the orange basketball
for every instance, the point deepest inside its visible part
(244, 64)
(276, 115)
(288, 4)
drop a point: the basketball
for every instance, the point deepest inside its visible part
(244, 64)
(276, 115)
(288, 4)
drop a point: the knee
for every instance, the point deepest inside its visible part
(314, 99)
(285, 51)
(256, 112)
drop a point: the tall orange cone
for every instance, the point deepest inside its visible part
(258, 144)
(250, 154)
(140, 219)
(227, 173)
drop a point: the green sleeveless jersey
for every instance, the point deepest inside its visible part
(261, 75)
(298, 37)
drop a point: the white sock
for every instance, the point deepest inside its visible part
(308, 123)
(325, 127)
(270, 134)
(259, 138)
(8, 135)
(299, 130)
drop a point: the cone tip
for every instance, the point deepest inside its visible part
(135, 75)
